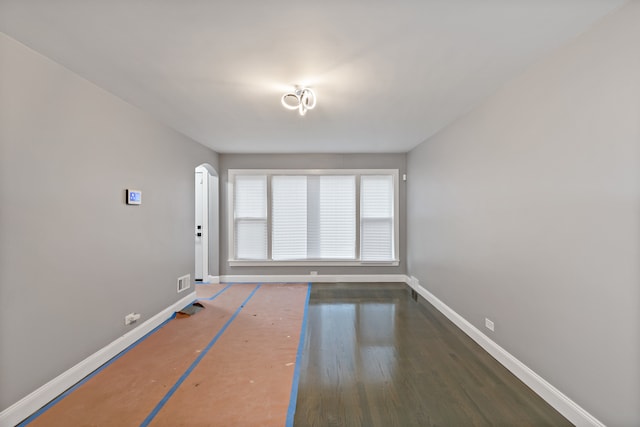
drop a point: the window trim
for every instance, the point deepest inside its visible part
(232, 173)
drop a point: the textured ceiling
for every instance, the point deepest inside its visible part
(388, 74)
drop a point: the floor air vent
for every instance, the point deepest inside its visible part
(184, 282)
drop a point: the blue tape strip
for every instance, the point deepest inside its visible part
(49, 405)
(195, 363)
(211, 298)
(296, 373)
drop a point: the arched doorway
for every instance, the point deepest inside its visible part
(206, 224)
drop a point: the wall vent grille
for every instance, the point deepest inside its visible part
(184, 282)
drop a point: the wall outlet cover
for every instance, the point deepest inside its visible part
(489, 324)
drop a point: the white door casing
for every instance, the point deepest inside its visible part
(201, 231)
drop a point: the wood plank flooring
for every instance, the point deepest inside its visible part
(375, 357)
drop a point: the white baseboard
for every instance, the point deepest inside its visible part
(323, 278)
(554, 397)
(213, 279)
(40, 397)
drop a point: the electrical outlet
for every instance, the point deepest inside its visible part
(314, 273)
(131, 318)
(489, 324)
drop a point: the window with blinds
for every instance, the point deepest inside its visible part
(313, 217)
(289, 217)
(337, 217)
(376, 218)
(250, 217)
(320, 216)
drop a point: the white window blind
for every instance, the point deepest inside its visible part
(337, 222)
(376, 218)
(250, 217)
(313, 217)
(289, 217)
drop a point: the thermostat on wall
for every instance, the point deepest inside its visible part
(134, 197)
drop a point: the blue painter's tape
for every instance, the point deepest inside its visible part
(97, 371)
(195, 363)
(215, 295)
(296, 373)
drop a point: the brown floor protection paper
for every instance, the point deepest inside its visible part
(245, 379)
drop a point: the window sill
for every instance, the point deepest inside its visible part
(305, 263)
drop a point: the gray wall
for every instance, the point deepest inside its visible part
(309, 161)
(74, 259)
(527, 211)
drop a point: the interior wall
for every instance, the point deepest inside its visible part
(309, 161)
(74, 258)
(527, 212)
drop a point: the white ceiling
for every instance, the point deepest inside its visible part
(388, 74)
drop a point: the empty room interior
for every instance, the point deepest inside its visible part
(320, 213)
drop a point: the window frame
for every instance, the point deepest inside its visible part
(232, 173)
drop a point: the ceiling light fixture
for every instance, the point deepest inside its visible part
(301, 99)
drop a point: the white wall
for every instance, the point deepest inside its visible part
(74, 259)
(527, 211)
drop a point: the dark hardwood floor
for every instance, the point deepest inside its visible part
(375, 357)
